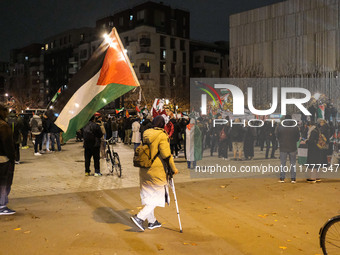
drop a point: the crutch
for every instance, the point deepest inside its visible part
(172, 185)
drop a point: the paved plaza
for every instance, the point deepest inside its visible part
(61, 211)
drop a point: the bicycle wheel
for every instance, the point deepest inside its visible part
(330, 236)
(116, 164)
(109, 162)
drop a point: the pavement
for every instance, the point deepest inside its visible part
(62, 211)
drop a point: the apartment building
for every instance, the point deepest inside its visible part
(26, 75)
(156, 38)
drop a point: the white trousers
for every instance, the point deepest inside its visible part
(147, 213)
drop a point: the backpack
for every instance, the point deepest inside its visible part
(322, 141)
(142, 157)
(223, 135)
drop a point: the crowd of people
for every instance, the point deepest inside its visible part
(195, 135)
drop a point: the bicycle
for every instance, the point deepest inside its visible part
(112, 158)
(330, 236)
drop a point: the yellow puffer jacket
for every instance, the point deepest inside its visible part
(158, 140)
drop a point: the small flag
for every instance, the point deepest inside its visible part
(137, 109)
(107, 75)
(193, 142)
(127, 114)
(119, 110)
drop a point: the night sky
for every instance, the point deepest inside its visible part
(23, 22)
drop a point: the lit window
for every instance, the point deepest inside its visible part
(26, 58)
(46, 46)
(131, 17)
(148, 63)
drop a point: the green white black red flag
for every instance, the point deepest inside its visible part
(107, 75)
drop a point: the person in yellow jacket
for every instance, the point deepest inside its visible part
(153, 181)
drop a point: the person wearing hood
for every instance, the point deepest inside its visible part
(7, 157)
(36, 129)
(153, 180)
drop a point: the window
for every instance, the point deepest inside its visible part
(144, 68)
(182, 45)
(82, 37)
(162, 41)
(173, 81)
(211, 60)
(131, 17)
(162, 67)
(111, 23)
(144, 42)
(46, 46)
(198, 59)
(172, 43)
(174, 56)
(121, 21)
(140, 15)
(184, 57)
(162, 80)
(163, 54)
(83, 54)
(173, 68)
(184, 70)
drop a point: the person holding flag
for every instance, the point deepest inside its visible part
(153, 180)
(106, 76)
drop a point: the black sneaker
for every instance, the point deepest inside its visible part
(156, 224)
(138, 222)
(6, 211)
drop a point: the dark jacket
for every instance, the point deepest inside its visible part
(237, 133)
(16, 125)
(54, 128)
(6, 141)
(288, 138)
(92, 135)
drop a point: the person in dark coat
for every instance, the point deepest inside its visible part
(7, 157)
(315, 154)
(24, 131)
(174, 139)
(288, 137)
(270, 139)
(92, 140)
(248, 147)
(223, 142)
(16, 125)
(55, 136)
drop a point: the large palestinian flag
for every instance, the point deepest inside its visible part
(107, 75)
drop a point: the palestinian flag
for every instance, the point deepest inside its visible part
(107, 75)
(321, 112)
(119, 110)
(193, 142)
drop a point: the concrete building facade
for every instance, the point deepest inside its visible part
(293, 38)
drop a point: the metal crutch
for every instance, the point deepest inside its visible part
(172, 185)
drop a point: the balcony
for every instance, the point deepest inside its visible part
(144, 69)
(144, 42)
